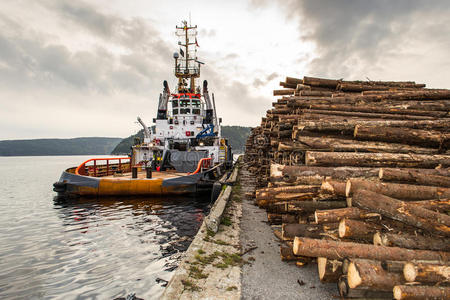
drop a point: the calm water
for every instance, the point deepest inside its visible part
(87, 249)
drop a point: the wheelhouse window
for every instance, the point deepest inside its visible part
(196, 103)
(196, 111)
(174, 103)
(175, 111)
(185, 102)
(185, 111)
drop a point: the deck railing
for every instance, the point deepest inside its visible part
(113, 165)
(203, 163)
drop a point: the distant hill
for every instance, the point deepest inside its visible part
(237, 135)
(75, 146)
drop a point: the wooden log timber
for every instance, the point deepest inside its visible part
(321, 82)
(363, 273)
(438, 205)
(368, 115)
(362, 294)
(357, 230)
(338, 250)
(316, 93)
(329, 269)
(293, 80)
(414, 177)
(304, 143)
(283, 92)
(336, 215)
(285, 198)
(313, 158)
(414, 292)
(288, 85)
(333, 187)
(290, 231)
(348, 126)
(380, 109)
(411, 214)
(408, 136)
(312, 206)
(410, 241)
(397, 190)
(426, 273)
(344, 172)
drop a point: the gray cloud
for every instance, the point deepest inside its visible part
(31, 59)
(353, 37)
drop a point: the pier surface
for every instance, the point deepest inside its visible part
(242, 260)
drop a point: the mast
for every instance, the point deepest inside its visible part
(187, 68)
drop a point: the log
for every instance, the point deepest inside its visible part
(313, 158)
(397, 190)
(290, 231)
(293, 80)
(333, 187)
(407, 136)
(283, 92)
(320, 82)
(329, 270)
(441, 205)
(286, 172)
(338, 250)
(354, 229)
(411, 241)
(363, 273)
(402, 211)
(304, 143)
(426, 273)
(312, 206)
(410, 292)
(368, 115)
(346, 292)
(348, 126)
(414, 177)
(336, 215)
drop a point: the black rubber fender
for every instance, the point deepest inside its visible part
(59, 187)
(215, 192)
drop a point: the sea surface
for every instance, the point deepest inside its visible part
(90, 248)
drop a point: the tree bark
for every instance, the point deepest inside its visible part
(397, 190)
(369, 115)
(336, 215)
(411, 241)
(333, 187)
(311, 206)
(407, 136)
(329, 270)
(283, 92)
(414, 177)
(402, 211)
(357, 230)
(290, 231)
(426, 273)
(336, 159)
(304, 143)
(346, 292)
(365, 273)
(338, 250)
(410, 292)
(320, 82)
(348, 126)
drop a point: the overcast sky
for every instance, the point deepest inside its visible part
(72, 68)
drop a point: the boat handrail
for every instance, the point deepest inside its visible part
(81, 169)
(202, 163)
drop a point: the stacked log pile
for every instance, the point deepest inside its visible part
(357, 173)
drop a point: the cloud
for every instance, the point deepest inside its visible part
(357, 38)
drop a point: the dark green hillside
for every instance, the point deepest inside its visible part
(237, 135)
(75, 146)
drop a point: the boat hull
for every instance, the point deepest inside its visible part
(71, 184)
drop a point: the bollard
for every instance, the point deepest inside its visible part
(149, 172)
(134, 172)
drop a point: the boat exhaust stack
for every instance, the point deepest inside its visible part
(163, 100)
(209, 108)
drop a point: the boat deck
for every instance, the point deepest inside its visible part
(142, 175)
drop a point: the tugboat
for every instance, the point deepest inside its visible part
(183, 153)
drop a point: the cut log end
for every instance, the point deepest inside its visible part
(397, 292)
(348, 187)
(380, 173)
(342, 228)
(377, 240)
(409, 271)
(321, 266)
(353, 277)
